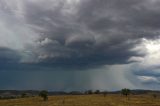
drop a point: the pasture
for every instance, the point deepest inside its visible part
(85, 100)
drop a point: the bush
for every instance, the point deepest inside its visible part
(44, 95)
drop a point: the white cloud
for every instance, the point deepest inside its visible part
(148, 79)
(45, 41)
(135, 59)
(15, 34)
(150, 49)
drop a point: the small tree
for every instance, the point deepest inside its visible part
(44, 95)
(125, 92)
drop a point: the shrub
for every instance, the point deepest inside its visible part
(44, 95)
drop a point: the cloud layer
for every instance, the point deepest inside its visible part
(79, 34)
(74, 33)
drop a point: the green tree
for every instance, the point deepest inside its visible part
(125, 92)
(44, 95)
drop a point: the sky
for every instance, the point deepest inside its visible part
(79, 44)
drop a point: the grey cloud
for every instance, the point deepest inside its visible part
(146, 77)
(8, 56)
(94, 33)
(80, 36)
(9, 59)
(147, 72)
(97, 33)
(132, 18)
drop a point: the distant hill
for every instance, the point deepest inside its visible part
(18, 93)
(138, 92)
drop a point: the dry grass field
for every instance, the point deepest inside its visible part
(85, 100)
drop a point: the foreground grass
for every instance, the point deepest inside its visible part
(85, 100)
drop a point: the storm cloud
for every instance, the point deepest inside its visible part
(79, 34)
(90, 32)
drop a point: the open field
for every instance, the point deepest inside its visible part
(85, 100)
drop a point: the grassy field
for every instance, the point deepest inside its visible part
(85, 100)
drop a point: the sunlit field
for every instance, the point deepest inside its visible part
(85, 100)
